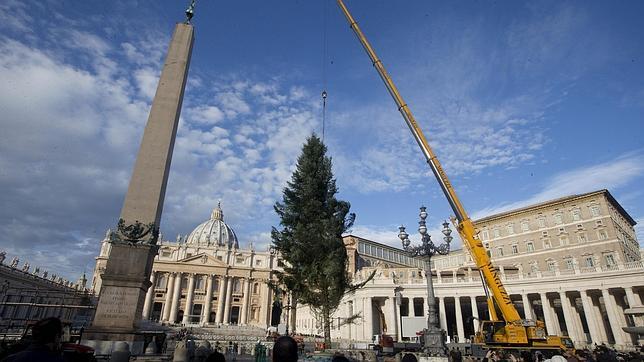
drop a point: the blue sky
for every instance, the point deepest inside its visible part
(522, 101)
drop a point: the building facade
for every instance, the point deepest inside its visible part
(573, 263)
(28, 293)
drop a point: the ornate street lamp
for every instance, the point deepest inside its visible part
(433, 337)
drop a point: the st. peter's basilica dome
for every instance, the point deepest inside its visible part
(214, 232)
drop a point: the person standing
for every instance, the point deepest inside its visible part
(45, 345)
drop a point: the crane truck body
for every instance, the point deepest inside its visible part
(507, 330)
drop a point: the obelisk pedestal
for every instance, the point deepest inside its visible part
(125, 280)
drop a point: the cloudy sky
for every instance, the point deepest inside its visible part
(522, 101)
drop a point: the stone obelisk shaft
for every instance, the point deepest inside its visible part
(126, 278)
(146, 193)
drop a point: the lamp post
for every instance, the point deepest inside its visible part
(433, 336)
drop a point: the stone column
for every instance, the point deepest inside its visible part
(547, 314)
(475, 314)
(205, 315)
(368, 316)
(221, 300)
(442, 313)
(244, 311)
(176, 298)
(615, 318)
(265, 303)
(593, 327)
(632, 297)
(527, 307)
(147, 306)
(573, 333)
(460, 331)
(189, 299)
(167, 305)
(396, 318)
(576, 316)
(229, 294)
(269, 305)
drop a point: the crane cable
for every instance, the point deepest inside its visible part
(324, 61)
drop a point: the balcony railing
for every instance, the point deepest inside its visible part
(404, 276)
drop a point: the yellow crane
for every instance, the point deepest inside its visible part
(510, 329)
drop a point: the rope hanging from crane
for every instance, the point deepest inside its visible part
(324, 65)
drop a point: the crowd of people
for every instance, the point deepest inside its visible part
(45, 346)
(600, 353)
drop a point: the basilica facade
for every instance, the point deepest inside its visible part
(574, 263)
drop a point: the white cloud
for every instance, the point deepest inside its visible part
(147, 80)
(232, 103)
(206, 114)
(14, 15)
(607, 175)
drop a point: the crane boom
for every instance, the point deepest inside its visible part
(465, 226)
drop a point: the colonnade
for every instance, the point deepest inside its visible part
(586, 316)
(217, 297)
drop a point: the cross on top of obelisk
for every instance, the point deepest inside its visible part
(190, 11)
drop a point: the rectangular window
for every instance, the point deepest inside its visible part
(546, 244)
(602, 235)
(497, 233)
(544, 234)
(418, 307)
(563, 241)
(499, 251)
(558, 219)
(530, 247)
(599, 223)
(569, 264)
(258, 262)
(525, 226)
(594, 210)
(610, 260)
(510, 228)
(379, 252)
(515, 249)
(562, 230)
(551, 266)
(580, 227)
(361, 248)
(589, 261)
(200, 282)
(404, 307)
(542, 222)
(581, 238)
(576, 215)
(485, 235)
(240, 260)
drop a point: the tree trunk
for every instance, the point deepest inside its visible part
(327, 327)
(293, 320)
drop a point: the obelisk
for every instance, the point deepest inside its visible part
(125, 280)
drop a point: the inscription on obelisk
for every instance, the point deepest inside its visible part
(133, 245)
